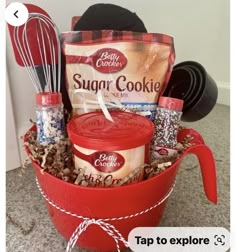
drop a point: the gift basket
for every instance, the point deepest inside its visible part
(110, 165)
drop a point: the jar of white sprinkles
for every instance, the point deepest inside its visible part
(49, 118)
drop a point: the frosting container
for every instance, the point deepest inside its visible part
(105, 152)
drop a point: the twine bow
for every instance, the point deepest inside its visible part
(107, 227)
(102, 223)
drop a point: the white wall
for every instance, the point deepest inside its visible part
(200, 29)
(12, 152)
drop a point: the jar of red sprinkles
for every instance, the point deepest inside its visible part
(106, 152)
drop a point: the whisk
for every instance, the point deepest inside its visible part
(38, 46)
(45, 51)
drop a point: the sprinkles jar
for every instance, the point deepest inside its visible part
(166, 122)
(49, 118)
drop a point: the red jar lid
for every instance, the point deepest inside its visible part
(94, 131)
(171, 103)
(48, 98)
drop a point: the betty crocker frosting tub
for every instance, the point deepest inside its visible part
(106, 152)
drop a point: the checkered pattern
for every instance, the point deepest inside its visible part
(109, 36)
(101, 36)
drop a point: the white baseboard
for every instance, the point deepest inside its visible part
(223, 93)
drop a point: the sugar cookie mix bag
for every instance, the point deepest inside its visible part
(134, 67)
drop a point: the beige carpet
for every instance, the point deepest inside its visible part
(29, 228)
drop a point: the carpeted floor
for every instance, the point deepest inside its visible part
(29, 228)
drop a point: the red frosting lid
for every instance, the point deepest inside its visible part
(94, 131)
(48, 98)
(171, 103)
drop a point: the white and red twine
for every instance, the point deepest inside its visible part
(102, 223)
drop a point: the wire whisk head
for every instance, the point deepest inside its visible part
(38, 44)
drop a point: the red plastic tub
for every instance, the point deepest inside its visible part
(108, 203)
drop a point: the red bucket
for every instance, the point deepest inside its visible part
(130, 206)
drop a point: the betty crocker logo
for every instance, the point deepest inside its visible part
(103, 161)
(108, 60)
(107, 161)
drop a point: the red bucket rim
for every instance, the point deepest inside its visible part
(123, 187)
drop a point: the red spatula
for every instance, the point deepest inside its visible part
(36, 46)
(32, 39)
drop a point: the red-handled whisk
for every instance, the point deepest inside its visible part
(42, 55)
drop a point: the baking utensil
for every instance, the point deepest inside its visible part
(47, 48)
(32, 38)
(113, 205)
(191, 82)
